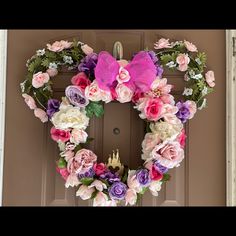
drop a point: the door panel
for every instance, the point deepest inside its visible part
(30, 177)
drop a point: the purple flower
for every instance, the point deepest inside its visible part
(110, 177)
(183, 113)
(88, 64)
(52, 107)
(143, 176)
(88, 174)
(161, 169)
(117, 190)
(75, 96)
(155, 60)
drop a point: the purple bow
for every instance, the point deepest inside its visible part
(141, 69)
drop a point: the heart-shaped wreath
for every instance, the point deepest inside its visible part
(101, 78)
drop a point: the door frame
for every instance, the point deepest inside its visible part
(230, 112)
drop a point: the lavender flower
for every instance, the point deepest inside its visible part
(183, 113)
(117, 190)
(143, 177)
(155, 60)
(88, 64)
(161, 169)
(110, 177)
(75, 96)
(88, 174)
(52, 107)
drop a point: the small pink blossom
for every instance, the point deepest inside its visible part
(86, 49)
(210, 78)
(190, 47)
(98, 184)
(52, 72)
(162, 43)
(183, 61)
(130, 197)
(40, 79)
(181, 138)
(99, 168)
(59, 46)
(41, 114)
(29, 101)
(192, 108)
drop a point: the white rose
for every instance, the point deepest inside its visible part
(155, 187)
(93, 92)
(124, 94)
(101, 199)
(70, 117)
(78, 136)
(106, 96)
(85, 192)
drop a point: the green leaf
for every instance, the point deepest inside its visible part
(202, 57)
(94, 108)
(35, 65)
(125, 174)
(166, 177)
(166, 58)
(144, 189)
(62, 163)
(86, 181)
(45, 62)
(94, 194)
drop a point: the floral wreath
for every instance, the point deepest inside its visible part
(101, 79)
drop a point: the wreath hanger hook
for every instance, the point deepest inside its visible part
(118, 50)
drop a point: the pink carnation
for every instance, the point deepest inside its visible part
(41, 114)
(29, 101)
(59, 46)
(162, 43)
(210, 78)
(191, 47)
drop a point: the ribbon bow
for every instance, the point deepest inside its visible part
(138, 74)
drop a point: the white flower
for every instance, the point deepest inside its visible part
(171, 64)
(72, 180)
(99, 185)
(155, 187)
(204, 91)
(68, 59)
(70, 117)
(40, 52)
(132, 181)
(78, 136)
(124, 94)
(197, 76)
(130, 197)
(101, 199)
(203, 104)
(85, 192)
(188, 91)
(198, 61)
(52, 65)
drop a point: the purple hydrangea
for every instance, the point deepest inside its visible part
(88, 64)
(183, 113)
(52, 107)
(110, 177)
(161, 169)
(88, 174)
(143, 176)
(117, 190)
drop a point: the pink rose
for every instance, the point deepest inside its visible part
(192, 108)
(137, 95)
(93, 92)
(169, 154)
(63, 172)
(150, 141)
(191, 47)
(29, 101)
(210, 78)
(41, 114)
(183, 61)
(153, 109)
(59, 46)
(98, 184)
(78, 136)
(130, 197)
(99, 168)
(84, 192)
(101, 199)
(86, 49)
(81, 80)
(154, 174)
(52, 72)
(181, 138)
(123, 75)
(81, 162)
(124, 94)
(162, 43)
(60, 135)
(40, 79)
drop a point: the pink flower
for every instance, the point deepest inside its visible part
(149, 142)
(154, 174)
(130, 197)
(29, 101)
(137, 95)
(106, 96)
(183, 61)
(81, 162)
(40, 79)
(86, 49)
(63, 172)
(68, 154)
(169, 154)
(132, 182)
(181, 138)
(52, 72)
(210, 78)
(99, 185)
(93, 92)
(78, 136)
(124, 94)
(72, 180)
(123, 75)
(162, 43)
(101, 199)
(192, 108)
(99, 168)
(191, 47)
(84, 192)
(81, 80)
(153, 108)
(59, 46)
(41, 114)
(60, 135)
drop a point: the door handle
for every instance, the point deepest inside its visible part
(118, 50)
